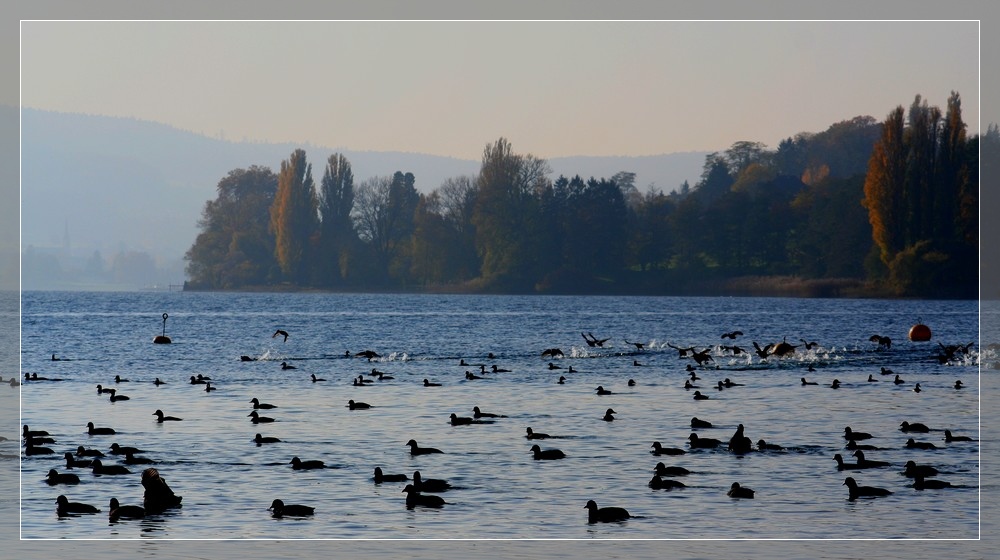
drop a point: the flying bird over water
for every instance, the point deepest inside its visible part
(280, 332)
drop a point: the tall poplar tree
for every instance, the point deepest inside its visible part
(336, 201)
(293, 215)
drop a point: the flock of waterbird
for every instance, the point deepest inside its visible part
(422, 492)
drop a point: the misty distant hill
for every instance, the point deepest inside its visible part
(113, 184)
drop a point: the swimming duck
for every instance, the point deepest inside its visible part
(160, 418)
(258, 419)
(381, 477)
(115, 397)
(286, 365)
(835, 384)
(663, 470)
(948, 438)
(427, 383)
(472, 377)
(124, 450)
(660, 450)
(499, 369)
(415, 498)
(540, 454)
(958, 384)
(72, 462)
(631, 382)
(131, 459)
(81, 451)
(351, 404)
(841, 465)
(259, 439)
(851, 434)
(898, 380)
(279, 509)
(737, 491)
(912, 470)
(300, 465)
(605, 514)
(739, 443)
(864, 463)
(658, 483)
(699, 397)
(602, 391)
(854, 445)
(609, 415)
(804, 382)
(729, 383)
(102, 389)
(208, 387)
(477, 413)
(117, 511)
(535, 435)
(856, 491)
(315, 379)
(919, 483)
(120, 379)
(562, 380)
(688, 385)
(552, 366)
(764, 446)
(259, 405)
(914, 427)
(156, 382)
(111, 470)
(871, 379)
(698, 423)
(429, 484)
(457, 420)
(196, 381)
(94, 431)
(702, 443)
(65, 507)
(912, 444)
(417, 450)
(55, 477)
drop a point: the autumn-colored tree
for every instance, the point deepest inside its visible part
(294, 219)
(883, 187)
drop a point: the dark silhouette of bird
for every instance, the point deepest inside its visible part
(131, 459)
(497, 369)
(429, 384)
(315, 379)
(158, 497)
(835, 384)
(286, 365)
(898, 380)
(258, 419)
(808, 345)
(535, 435)
(911, 470)
(602, 391)
(540, 454)
(477, 413)
(414, 498)
(65, 507)
(737, 491)
(157, 382)
(118, 379)
(259, 405)
(732, 335)
(764, 446)
(553, 366)
(300, 465)
(457, 420)
(703, 356)
(605, 514)
(739, 443)
(552, 353)
(681, 352)
(865, 463)
(698, 423)
(197, 381)
(699, 397)
(764, 352)
(638, 345)
(851, 434)
(958, 384)
(117, 511)
(660, 483)
(855, 491)
(259, 439)
(914, 427)
(417, 450)
(281, 509)
(913, 444)
(658, 449)
(209, 388)
(688, 385)
(95, 431)
(26, 433)
(99, 468)
(103, 389)
(696, 442)
(81, 451)
(354, 405)
(433, 485)
(281, 333)
(593, 340)
(663, 470)
(115, 397)
(381, 477)
(471, 376)
(920, 483)
(804, 382)
(369, 354)
(73, 462)
(916, 388)
(948, 437)
(55, 477)
(783, 348)
(609, 415)
(562, 380)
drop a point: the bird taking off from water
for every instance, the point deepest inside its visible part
(280, 332)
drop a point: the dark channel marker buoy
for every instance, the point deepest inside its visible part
(162, 338)
(920, 333)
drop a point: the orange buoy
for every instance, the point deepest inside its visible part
(920, 333)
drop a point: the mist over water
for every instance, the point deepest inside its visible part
(228, 482)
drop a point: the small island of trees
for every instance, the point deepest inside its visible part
(862, 208)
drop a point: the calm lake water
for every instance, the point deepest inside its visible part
(500, 492)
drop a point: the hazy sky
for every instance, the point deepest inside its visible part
(552, 89)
